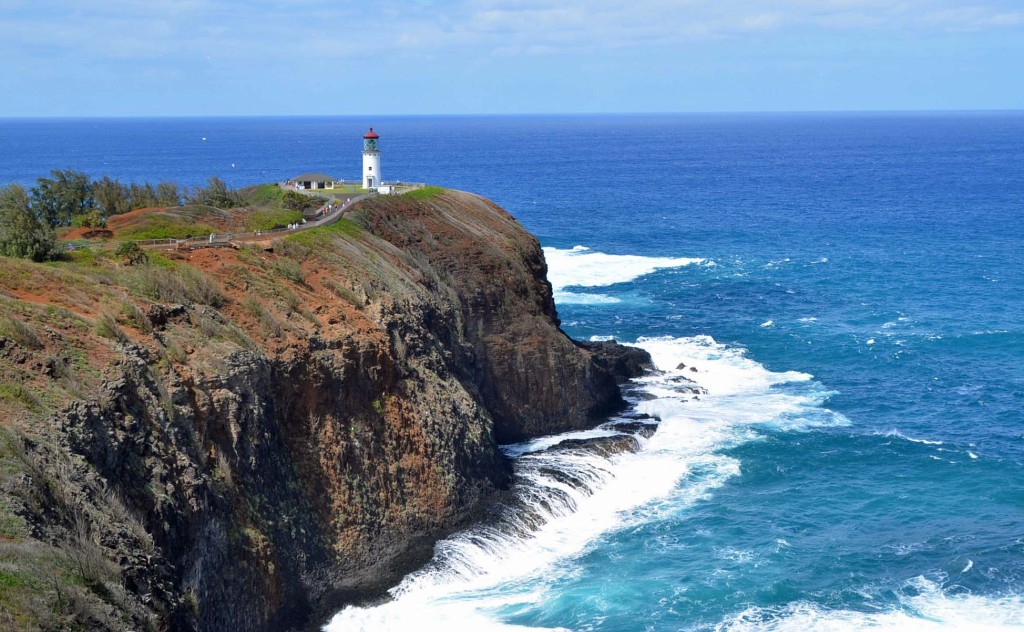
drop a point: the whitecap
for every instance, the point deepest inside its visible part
(768, 323)
(897, 433)
(924, 607)
(582, 267)
(575, 298)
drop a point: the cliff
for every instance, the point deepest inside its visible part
(248, 439)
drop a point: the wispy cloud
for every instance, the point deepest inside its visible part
(279, 32)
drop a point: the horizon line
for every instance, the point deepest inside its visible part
(513, 114)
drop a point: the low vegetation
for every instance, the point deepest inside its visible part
(177, 284)
(269, 219)
(164, 227)
(424, 193)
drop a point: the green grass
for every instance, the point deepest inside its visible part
(269, 219)
(176, 284)
(17, 330)
(164, 228)
(81, 256)
(20, 394)
(290, 269)
(324, 235)
(11, 580)
(263, 194)
(424, 193)
(349, 188)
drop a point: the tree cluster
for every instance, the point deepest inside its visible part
(71, 198)
(297, 202)
(22, 232)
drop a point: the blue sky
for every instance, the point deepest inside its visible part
(221, 57)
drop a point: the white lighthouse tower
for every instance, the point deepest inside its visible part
(371, 161)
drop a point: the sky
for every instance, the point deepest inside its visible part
(226, 57)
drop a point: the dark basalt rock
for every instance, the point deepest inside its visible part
(633, 427)
(255, 471)
(622, 361)
(605, 446)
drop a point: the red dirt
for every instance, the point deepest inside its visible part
(86, 233)
(116, 222)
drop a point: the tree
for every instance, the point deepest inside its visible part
(111, 197)
(131, 253)
(58, 199)
(92, 219)
(21, 232)
(215, 193)
(167, 194)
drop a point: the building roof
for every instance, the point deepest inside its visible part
(371, 134)
(312, 177)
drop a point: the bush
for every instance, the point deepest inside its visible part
(132, 316)
(131, 253)
(180, 284)
(19, 332)
(20, 394)
(290, 269)
(297, 202)
(91, 219)
(107, 327)
(21, 233)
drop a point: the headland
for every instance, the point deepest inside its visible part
(249, 437)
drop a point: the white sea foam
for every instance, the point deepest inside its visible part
(510, 563)
(897, 433)
(582, 267)
(925, 608)
(580, 298)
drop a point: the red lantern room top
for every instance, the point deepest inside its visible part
(371, 134)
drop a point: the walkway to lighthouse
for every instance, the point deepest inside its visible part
(333, 211)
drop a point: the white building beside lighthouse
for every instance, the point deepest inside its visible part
(371, 161)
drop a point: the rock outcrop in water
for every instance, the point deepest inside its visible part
(246, 440)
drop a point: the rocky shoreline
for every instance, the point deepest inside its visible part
(294, 429)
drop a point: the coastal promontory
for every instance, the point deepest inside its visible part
(248, 437)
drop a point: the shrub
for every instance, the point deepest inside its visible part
(16, 329)
(290, 269)
(132, 316)
(91, 219)
(21, 233)
(260, 313)
(107, 327)
(180, 284)
(131, 253)
(20, 394)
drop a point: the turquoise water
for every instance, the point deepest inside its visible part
(848, 286)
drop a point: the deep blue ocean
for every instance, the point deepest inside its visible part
(850, 289)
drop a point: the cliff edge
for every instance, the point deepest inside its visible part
(248, 439)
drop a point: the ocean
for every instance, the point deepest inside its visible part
(849, 289)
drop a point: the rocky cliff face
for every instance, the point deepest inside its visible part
(246, 440)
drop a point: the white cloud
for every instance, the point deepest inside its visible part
(283, 33)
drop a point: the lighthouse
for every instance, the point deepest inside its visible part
(371, 160)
